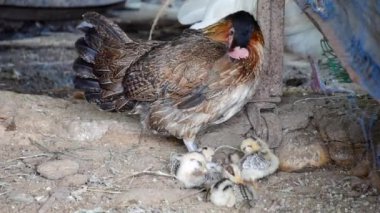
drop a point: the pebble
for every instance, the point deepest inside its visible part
(57, 169)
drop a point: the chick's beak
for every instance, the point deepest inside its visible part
(256, 147)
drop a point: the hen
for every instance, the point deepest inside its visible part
(178, 87)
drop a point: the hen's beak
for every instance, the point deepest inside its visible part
(237, 50)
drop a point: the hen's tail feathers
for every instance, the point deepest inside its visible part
(97, 70)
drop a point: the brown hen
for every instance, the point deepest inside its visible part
(178, 87)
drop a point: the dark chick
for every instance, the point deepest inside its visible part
(178, 87)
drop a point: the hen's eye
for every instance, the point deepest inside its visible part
(232, 31)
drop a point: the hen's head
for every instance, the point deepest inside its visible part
(239, 31)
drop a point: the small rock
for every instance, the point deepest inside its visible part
(299, 151)
(74, 180)
(21, 197)
(58, 169)
(342, 153)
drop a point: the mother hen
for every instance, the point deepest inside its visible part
(178, 87)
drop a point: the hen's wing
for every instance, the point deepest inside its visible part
(184, 72)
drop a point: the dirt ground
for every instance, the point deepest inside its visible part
(100, 152)
(109, 149)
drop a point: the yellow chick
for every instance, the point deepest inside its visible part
(258, 162)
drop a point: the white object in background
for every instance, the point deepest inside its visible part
(209, 12)
(301, 36)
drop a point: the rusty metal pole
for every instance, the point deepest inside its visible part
(270, 14)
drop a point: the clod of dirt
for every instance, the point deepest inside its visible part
(300, 151)
(74, 180)
(58, 169)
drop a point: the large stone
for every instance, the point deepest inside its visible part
(57, 169)
(301, 151)
(342, 153)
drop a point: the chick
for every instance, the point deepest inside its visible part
(258, 161)
(190, 169)
(215, 173)
(208, 152)
(227, 193)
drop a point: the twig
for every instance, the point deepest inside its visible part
(187, 196)
(30, 156)
(47, 205)
(104, 191)
(6, 192)
(321, 98)
(39, 146)
(226, 146)
(157, 173)
(148, 172)
(159, 13)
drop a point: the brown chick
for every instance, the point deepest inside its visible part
(178, 87)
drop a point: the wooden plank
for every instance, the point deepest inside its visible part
(270, 14)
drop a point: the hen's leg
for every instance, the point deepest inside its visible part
(190, 144)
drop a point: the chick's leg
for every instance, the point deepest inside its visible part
(190, 144)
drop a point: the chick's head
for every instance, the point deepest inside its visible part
(208, 152)
(252, 145)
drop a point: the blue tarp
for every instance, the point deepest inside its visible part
(357, 24)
